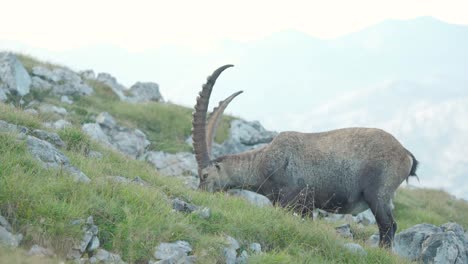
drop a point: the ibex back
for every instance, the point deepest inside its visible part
(344, 171)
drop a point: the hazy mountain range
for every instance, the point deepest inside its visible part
(409, 77)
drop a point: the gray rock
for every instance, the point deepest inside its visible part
(344, 231)
(105, 257)
(65, 99)
(408, 243)
(48, 108)
(38, 84)
(255, 248)
(253, 197)
(31, 111)
(95, 131)
(373, 240)
(144, 92)
(50, 137)
(173, 251)
(5, 224)
(37, 250)
(49, 156)
(242, 259)
(355, 248)
(366, 218)
(94, 244)
(11, 128)
(244, 136)
(57, 125)
(232, 243)
(3, 95)
(182, 206)
(105, 120)
(13, 76)
(131, 142)
(182, 163)
(204, 212)
(87, 74)
(110, 81)
(444, 248)
(230, 251)
(8, 239)
(63, 81)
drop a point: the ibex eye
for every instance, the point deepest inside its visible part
(205, 175)
(217, 166)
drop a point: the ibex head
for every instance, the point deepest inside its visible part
(212, 173)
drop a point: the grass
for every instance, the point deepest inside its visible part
(41, 203)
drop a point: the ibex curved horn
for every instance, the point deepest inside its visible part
(214, 118)
(199, 120)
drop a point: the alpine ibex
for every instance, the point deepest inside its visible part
(344, 171)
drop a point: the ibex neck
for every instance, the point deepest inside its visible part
(243, 169)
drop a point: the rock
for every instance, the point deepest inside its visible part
(244, 136)
(144, 92)
(38, 84)
(444, 248)
(47, 108)
(176, 252)
(3, 96)
(63, 81)
(373, 240)
(408, 243)
(110, 81)
(255, 248)
(37, 250)
(94, 131)
(103, 256)
(59, 124)
(254, 198)
(49, 156)
(131, 142)
(50, 137)
(355, 248)
(93, 245)
(87, 74)
(182, 163)
(5, 224)
(344, 231)
(182, 206)
(366, 218)
(11, 128)
(105, 120)
(8, 239)
(204, 212)
(14, 78)
(230, 251)
(242, 259)
(65, 99)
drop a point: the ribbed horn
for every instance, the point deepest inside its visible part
(213, 121)
(199, 120)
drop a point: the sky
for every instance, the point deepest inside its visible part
(139, 25)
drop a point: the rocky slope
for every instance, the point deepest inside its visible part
(49, 93)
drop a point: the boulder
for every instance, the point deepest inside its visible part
(182, 163)
(255, 248)
(244, 136)
(176, 252)
(3, 96)
(131, 142)
(144, 92)
(49, 156)
(66, 100)
(8, 239)
(87, 74)
(344, 231)
(11, 128)
(48, 108)
(105, 257)
(432, 244)
(38, 84)
(366, 218)
(355, 248)
(50, 137)
(111, 81)
(5, 224)
(14, 79)
(57, 125)
(62, 81)
(252, 197)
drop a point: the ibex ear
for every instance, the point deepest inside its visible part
(217, 166)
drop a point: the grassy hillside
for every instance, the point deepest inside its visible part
(40, 203)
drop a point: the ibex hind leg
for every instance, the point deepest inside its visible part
(380, 206)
